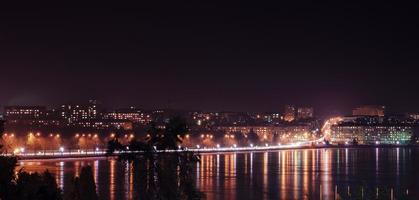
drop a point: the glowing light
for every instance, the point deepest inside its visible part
(197, 146)
(377, 142)
(235, 145)
(38, 134)
(218, 145)
(112, 135)
(77, 135)
(131, 136)
(61, 149)
(251, 145)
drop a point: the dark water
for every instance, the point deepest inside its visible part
(373, 173)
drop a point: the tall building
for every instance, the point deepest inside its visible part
(75, 112)
(369, 110)
(289, 113)
(305, 113)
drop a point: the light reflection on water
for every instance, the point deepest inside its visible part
(288, 174)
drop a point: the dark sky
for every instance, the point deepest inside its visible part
(212, 56)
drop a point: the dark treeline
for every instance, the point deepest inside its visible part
(22, 185)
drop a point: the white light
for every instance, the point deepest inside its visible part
(267, 144)
(377, 142)
(251, 145)
(218, 145)
(397, 142)
(61, 149)
(234, 145)
(179, 147)
(197, 146)
(97, 149)
(279, 144)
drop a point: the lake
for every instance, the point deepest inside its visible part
(347, 173)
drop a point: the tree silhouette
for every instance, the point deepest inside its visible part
(84, 187)
(176, 128)
(253, 137)
(164, 175)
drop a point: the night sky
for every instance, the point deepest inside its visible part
(211, 56)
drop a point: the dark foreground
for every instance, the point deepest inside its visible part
(352, 173)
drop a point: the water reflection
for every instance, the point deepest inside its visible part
(288, 174)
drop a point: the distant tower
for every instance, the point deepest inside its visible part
(305, 113)
(289, 113)
(369, 110)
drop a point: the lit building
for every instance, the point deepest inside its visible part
(284, 133)
(24, 112)
(73, 112)
(305, 113)
(132, 114)
(105, 124)
(370, 110)
(414, 116)
(373, 134)
(289, 113)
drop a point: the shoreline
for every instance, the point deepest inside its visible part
(212, 151)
